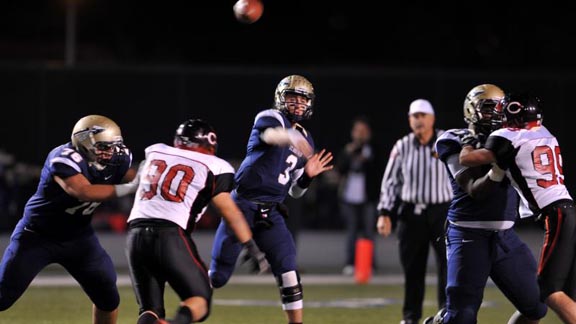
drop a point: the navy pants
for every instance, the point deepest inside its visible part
(275, 240)
(473, 256)
(84, 258)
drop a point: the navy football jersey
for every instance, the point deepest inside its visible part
(500, 205)
(51, 211)
(267, 171)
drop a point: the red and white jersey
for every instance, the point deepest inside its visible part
(534, 164)
(177, 184)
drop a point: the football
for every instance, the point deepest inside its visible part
(248, 11)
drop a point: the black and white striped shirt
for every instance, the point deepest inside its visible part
(414, 174)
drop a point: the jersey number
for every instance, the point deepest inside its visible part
(548, 161)
(174, 185)
(284, 177)
(87, 208)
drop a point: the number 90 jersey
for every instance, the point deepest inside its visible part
(177, 185)
(534, 163)
(53, 212)
(268, 171)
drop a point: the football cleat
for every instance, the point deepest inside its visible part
(436, 319)
(161, 321)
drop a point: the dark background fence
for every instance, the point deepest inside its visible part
(41, 104)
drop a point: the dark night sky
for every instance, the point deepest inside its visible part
(377, 60)
(301, 32)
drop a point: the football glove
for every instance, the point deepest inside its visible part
(256, 257)
(469, 139)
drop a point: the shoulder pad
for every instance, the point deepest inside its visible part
(273, 113)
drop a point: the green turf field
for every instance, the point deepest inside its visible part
(253, 303)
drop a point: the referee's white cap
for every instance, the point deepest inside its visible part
(421, 106)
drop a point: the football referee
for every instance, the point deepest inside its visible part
(415, 195)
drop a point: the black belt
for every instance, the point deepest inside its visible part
(562, 203)
(151, 222)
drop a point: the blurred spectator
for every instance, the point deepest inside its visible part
(17, 183)
(360, 174)
(320, 199)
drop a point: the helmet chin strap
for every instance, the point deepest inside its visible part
(97, 166)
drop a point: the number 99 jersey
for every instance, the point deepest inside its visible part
(532, 157)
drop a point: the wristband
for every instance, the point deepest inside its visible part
(125, 189)
(496, 174)
(251, 247)
(304, 181)
(249, 244)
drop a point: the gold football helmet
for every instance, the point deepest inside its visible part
(483, 109)
(298, 85)
(98, 139)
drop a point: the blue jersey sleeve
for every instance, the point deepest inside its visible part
(503, 150)
(66, 162)
(306, 134)
(269, 118)
(449, 143)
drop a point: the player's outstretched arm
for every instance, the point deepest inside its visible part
(471, 157)
(233, 216)
(79, 187)
(477, 184)
(281, 136)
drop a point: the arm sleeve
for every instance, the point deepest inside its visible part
(391, 181)
(279, 136)
(223, 183)
(300, 183)
(66, 165)
(503, 150)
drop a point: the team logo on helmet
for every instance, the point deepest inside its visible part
(482, 108)
(99, 141)
(196, 135)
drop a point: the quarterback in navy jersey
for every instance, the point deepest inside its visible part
(55, 228)
(531, 155)
(480, 240)
(280, 160)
